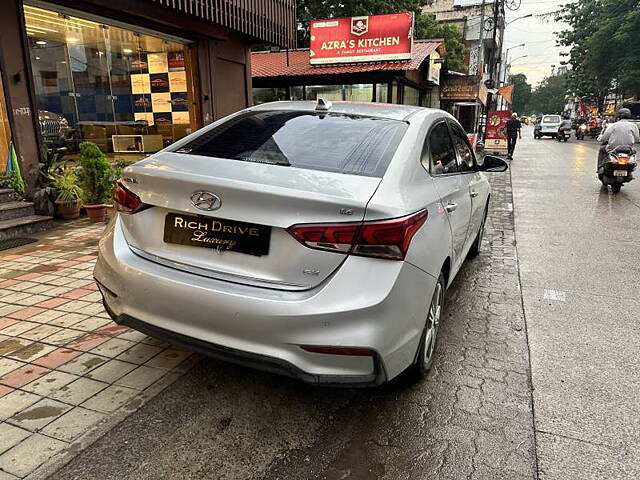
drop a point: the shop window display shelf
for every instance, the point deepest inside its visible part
(136, 143)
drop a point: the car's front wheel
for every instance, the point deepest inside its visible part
(427, 348)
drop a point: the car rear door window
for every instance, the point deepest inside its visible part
(441, 152)
(465, 154)
(330, 142)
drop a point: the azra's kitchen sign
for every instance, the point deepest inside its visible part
(361, 39)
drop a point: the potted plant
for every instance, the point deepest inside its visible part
(95, 180)
(69, 194)
(116, 173)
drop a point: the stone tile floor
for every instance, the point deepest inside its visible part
(65, 367)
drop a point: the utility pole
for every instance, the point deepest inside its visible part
(498, 7)
(481, 59)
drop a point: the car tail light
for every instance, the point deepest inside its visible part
(127, 201)
(381, 239)
(352, 352)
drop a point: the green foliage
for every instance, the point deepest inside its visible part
(549, 96)
(602, 37)
(95, 174)
(425, 25)
(69, 192)
(521, 93)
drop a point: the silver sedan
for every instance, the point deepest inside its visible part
(307, 239)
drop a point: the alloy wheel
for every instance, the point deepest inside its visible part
(433, 324)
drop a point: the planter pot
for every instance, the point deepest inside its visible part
(111, 212)
(97, 213)
(69, 211)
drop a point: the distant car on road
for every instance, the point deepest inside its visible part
(311, 240)
(548, 127)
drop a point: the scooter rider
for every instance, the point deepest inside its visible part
(621, 133)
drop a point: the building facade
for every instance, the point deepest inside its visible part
(290, 76)
(130, 75)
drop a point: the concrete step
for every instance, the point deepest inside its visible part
(7, 195)
(25, 226)
(11, 210)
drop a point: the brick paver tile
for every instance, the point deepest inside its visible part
(110, 399)
(8, 309)
(32, 352)
(168, 359)
(23, 375)
(67, 319)
(83, 364)
(15, 401)
(4, 390)
(132, 336)
(25, 457)
(6, 322)
(92, 323)
(77, 293)
(28, 276)
(64, 336)
(53, 302)
(87, 258)
(78, 391)
(92, 309)
(40, 332)
(18, 328)
(46, 316)
(111, 371)
(9, 345)
(139, 353)
(73, 424)
(112, 348)
(141, 377)
(40, 414)
(31, 300)
(49, 383)
(113, 330)
(10, 436)
(73, 306)
(25, 313)
(7, 365)
(57, 358)
(88, 342)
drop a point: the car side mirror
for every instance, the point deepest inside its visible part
(494, 164)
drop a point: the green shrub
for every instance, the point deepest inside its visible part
(69, 193)
(95, 174)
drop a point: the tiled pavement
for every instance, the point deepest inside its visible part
(65, 367)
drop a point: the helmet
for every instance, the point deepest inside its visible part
(514, 114)
(623, 113)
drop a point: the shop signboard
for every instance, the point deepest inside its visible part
(497, 130)
(459, 88)
(370, 38)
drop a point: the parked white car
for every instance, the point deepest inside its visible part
(311, 240)
(548, 126)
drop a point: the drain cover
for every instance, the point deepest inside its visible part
(15, 242)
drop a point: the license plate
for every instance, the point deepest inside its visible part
(619, 173)
(219, 234)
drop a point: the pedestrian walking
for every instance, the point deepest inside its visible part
(514, 131)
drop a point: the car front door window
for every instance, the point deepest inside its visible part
(442, 154)
(465, 155)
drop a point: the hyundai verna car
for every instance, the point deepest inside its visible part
(312, 240)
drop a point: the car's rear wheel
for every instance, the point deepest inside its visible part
(427, 348)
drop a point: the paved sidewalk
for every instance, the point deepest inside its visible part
(66, 370)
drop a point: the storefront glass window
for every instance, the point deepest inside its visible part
(351, 93)
(297, 93)
(128, 92)
(394, 92)
(328, 92)
(382, 90)
(264, 95)
(411, 96)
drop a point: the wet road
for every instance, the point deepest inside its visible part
(579, 254)
(470, 419)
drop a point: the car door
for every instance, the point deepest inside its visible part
(475, 181)
(452, 188)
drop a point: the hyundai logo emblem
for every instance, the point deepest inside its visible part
(206, 201)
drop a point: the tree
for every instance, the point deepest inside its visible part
(521, 93)
(602, 37)
(425, 25)
(549, 96)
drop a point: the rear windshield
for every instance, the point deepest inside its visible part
(551, 119)
(330, 142)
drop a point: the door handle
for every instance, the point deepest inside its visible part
(474, 194)
(451, 207)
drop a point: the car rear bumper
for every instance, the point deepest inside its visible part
(373, 304)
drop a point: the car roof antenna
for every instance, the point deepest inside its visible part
(323, 105)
